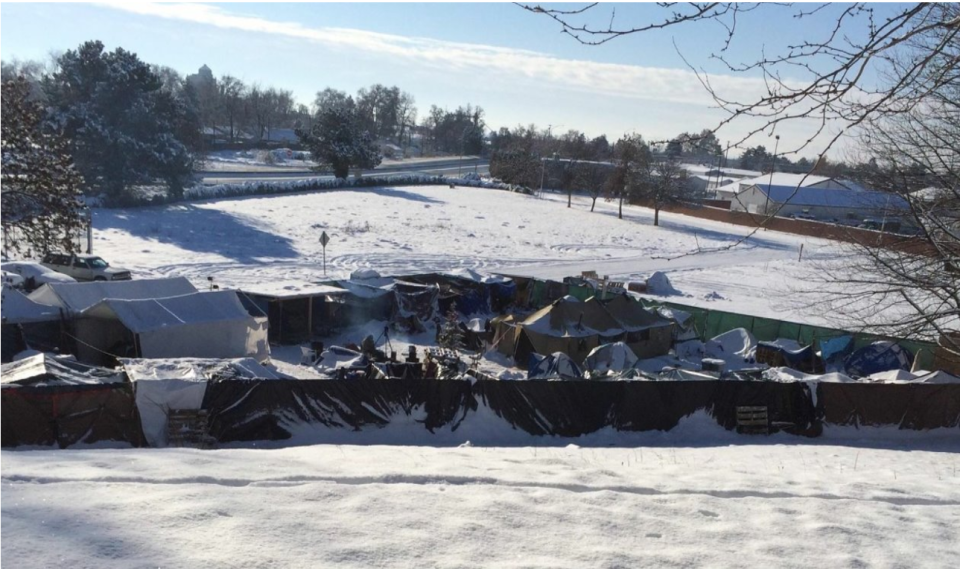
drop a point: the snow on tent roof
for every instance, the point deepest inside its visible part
(49, 370)
(153, 314)
(629, 314)
(291, 289)
(195, 369)
(473, 275)
(17, 308)
(832, 198)
(571, 319)
(77, 297)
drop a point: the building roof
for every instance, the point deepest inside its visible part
(785, 179)
(77, 297)
(831, 198)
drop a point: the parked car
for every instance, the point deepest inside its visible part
(85, 267)
(34, 274)
(806, 216)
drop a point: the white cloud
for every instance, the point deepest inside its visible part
(630, 81)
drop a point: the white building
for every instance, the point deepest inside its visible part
(827, 203)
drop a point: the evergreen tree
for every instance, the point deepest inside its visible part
(39, 186)
(338, 141)
(125, 129)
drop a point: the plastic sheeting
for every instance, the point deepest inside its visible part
(556, 366)
(877, 357)
(609, 358)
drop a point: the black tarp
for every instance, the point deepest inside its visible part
(906, 406)
(260, 410)
(68, 415)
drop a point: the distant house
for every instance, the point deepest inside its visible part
(820, 203)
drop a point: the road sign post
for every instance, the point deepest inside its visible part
(324, 239)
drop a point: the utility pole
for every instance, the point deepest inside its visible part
(773, 168)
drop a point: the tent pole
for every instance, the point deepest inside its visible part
(310, 318)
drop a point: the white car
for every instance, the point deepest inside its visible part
(84, 267)
(34, 274)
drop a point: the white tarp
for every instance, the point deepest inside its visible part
(17, 308)
(77, 297)
(200, 325)
(609, 358)
(179, 384)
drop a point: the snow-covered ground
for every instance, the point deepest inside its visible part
(245, 241)
(684, 499)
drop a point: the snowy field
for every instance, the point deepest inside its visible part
(247, 241)
(657, 500)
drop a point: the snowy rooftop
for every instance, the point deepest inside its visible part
(832, 198)
(291, 289)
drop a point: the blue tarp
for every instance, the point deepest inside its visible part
(877, 357)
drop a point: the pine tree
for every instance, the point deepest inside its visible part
(125, 129)
(41, 207)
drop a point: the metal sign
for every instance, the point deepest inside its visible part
(324, 239)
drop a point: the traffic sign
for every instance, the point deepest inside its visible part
(324, 238)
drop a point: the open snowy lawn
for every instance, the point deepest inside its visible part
(779, 502)
(246, 241)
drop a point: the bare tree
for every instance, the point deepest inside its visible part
(633, 164)
(664, 184)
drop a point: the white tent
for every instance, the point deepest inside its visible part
(17, 308)
(48, 369)
(201, 325)
(77, 297)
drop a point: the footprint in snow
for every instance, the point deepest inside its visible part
(709, 514)
(655, 535)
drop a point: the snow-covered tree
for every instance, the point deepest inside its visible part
(125, 129)
(337, 140)
(39, 186)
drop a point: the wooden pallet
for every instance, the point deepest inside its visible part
(753, 420)
(189, 428)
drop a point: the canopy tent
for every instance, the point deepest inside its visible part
(202, 324)
(297, 311)
(27, 324)
(74, 298)
(48, 370)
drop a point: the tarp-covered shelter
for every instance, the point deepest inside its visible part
(74, 298)
(556, 367)
(365, 300)
(609, 359)
(203, 324)
(877, 357)
(646, 332)
(52, 400)
(297, 312)
(47, 370)
(416, 305)
(27, 324)
(163, 385)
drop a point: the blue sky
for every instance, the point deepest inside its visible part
(516, 65)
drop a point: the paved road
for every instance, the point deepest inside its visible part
(443, 167)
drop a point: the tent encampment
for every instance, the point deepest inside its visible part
(202, 324)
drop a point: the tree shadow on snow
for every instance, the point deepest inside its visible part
(400, 194)
(199, 230)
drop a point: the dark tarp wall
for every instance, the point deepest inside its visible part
(270, 410)
(907, 406)
(69, 415)
(262, 410)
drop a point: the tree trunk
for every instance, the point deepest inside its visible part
(656, 215)
(620, 215)
(569, 197)
(594, 204)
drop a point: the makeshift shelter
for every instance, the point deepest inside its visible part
(74, 298)
(54, 400)
(877, 357)
(365, 300)
(297, 312)
(781, 354)
(202, 324)
(556, 366)
(416, 304)
(48, 370)
(609, 359)
(179, 384)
